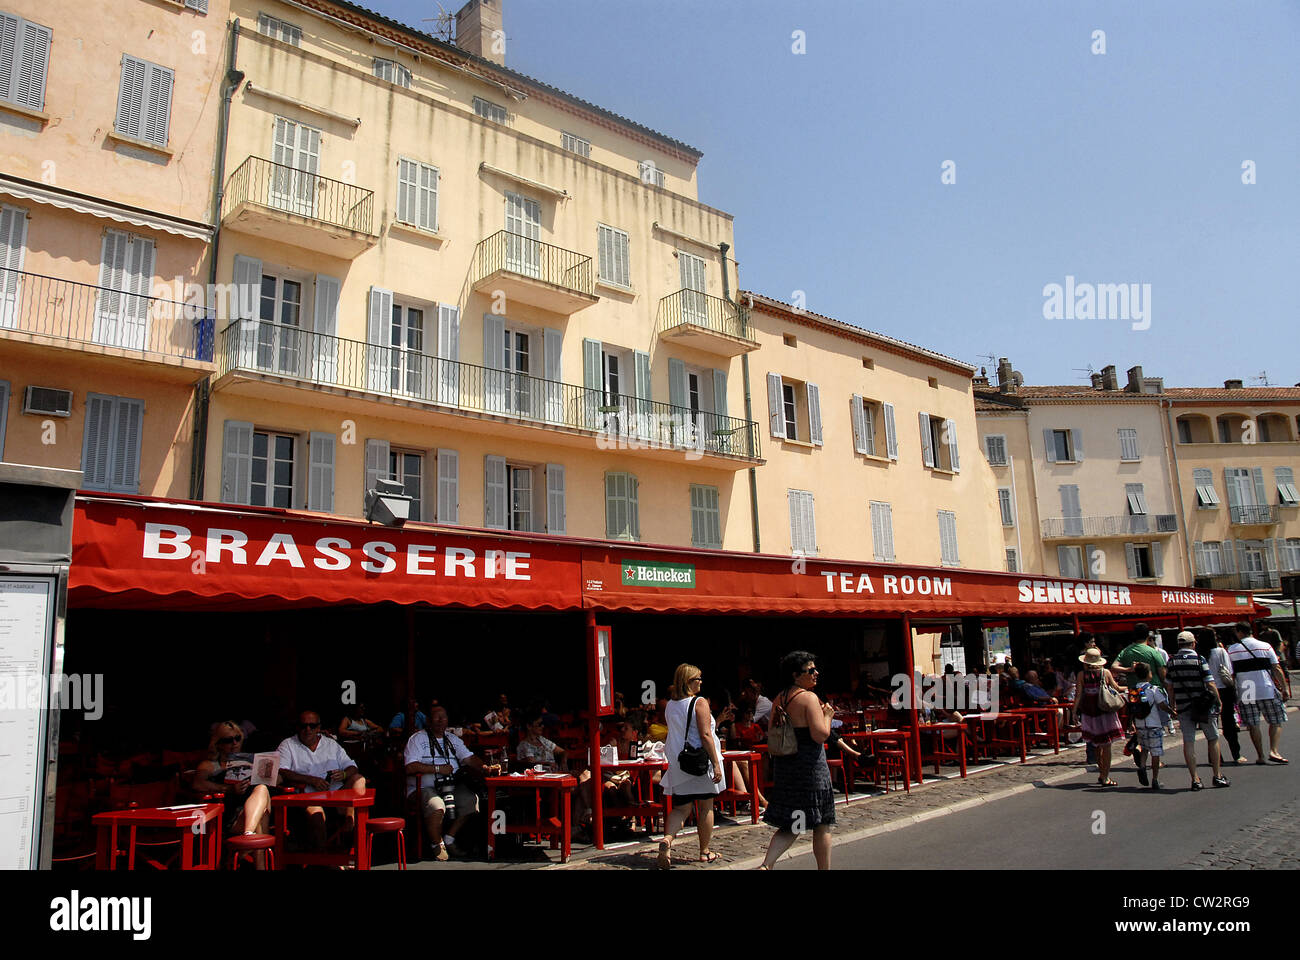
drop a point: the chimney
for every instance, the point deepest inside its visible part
(1153, 384)
(479, 30)
(1109, 378)
(1232, 384)
(981, 381)
(1134, 380)
(1098, 382)
(1005, 383)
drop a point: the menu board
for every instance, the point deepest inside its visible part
(26, 635)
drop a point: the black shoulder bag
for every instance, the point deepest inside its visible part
(692, 760)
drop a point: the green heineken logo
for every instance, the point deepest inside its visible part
(639, 573)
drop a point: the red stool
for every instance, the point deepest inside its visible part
(893, 764)
(250, 843)
(395, 825)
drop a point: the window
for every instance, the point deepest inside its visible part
(490, 111)
(1004, 507)
(1069, 561)
(279, 336)
(392, 72)
(933, 382)
(948, 539)
(1208, 558)
(199, 6)
(110, 454)
(1013, 560)
(803, 523)
(519, 484)
(1206, 496)
(1287, 495)
(1247, 496)
(1184, 431)
(706, 520)
(575, 144)
(1128, 444)
(1225, 430)
(13, 252)
(407, 468)
(1143, 560)
(295, 149)
(1063, 446)
(279, 29)
(794, 409)
(448, 486)
(144, 101)
(871, 426)
(1291, 553)
(509, 502)
(621, 516)
(882, 531)
(612, 260)
(24, 61)
(1071, 510)
(272, 469)
(868, 363)
(1137, 507)
(122, 304)
(523, 235)
(995, 448)
(939, 443)
(789, 339)
(417, 194)
(1262, 427)
(651, 174)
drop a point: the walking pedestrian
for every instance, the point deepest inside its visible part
(1260, 685)
(802, 797)
(1150, 709)
(1221, 673)
(1100, 728)
(1196, 698)
(690, 723)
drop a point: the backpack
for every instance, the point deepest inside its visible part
(1140, 708)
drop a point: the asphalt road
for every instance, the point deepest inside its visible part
(1251, 823)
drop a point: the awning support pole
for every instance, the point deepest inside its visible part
(593, 736)
(913, 719)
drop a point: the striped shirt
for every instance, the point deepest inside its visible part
(1187, 676)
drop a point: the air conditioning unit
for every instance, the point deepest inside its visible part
(47, 402)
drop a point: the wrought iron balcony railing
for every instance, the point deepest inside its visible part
(700, 309)
(530, 257)
(621, 421)
(1253, 513)
(1259, 580)
(84, 313)
(282, 187)
(1059, 528)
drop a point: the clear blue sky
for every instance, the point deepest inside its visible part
(1117, 168)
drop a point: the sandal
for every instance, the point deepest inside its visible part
(1273, 759)
(708, 856)
(1107, 783)
(665, 855)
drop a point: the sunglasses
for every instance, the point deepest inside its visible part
(812, 670)
(226, 741)
(308, 726)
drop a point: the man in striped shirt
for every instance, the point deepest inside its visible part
(1261, 685)
(1196, 699)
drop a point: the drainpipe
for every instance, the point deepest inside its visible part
(1178, 489)
(203, 390)
(749, 409)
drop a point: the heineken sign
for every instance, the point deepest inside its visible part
(638, 573)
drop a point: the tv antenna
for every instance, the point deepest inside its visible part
(1088, 370)
(445, 28)
(1262, 379)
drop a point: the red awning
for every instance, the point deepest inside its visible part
(136, 552)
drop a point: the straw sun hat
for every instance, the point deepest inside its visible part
(1092, 657)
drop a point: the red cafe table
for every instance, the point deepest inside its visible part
(645, 808)
(941, 752)
(341, 799)
(556, 826)
(184, 819)
(1051, 714)
(901, 736)
(984, 732)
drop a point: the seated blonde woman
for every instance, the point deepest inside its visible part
(229, 772)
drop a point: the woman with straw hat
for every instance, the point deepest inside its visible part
(1099, 727)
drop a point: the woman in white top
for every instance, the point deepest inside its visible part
(696, 727)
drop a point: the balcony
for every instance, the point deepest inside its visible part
(1253, 515)
(126, 328)
(1260, 580)
(529, 271)
(693, 319)
(258, 353)
(288, 205)
(1126, 525)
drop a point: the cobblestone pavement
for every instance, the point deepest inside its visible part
(1271, 842)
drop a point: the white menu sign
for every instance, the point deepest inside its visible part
(26, 633)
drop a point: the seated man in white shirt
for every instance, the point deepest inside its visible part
(313, 762)
(437, 756)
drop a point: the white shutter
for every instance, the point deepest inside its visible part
(237, 462)
(1049, 445)
(1076, 445)
(857, 415)
(378, 327)
(124, 473)
(776, 414)
(449, 354)
(555, 508)
(593, 383)
(10, 27)
(882, 531)
(891, 435)
(377, 464)
(815, 414)
(158, 105)
(325, 355)
(1229, 557)
(1261, 492)
(320, 485)
(96, 443)
(1004, 507)
(796, 521)
(676, 383)
(552, 354)
(950, 428)
(130, 97)
(1198, 558)
(1065, 557)
(428, 193)
(1089, 553)
(720, 392)
(1157, 559)
(25, 55)
(448, 486)
(1130, 560)
(407, 185)
(809, 524)
(13, 249)
(887, 526)
(494, 492)
(927, 443)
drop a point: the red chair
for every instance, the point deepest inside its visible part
(844, 764)
(247, 845)
(891, 762)
(386, 825)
